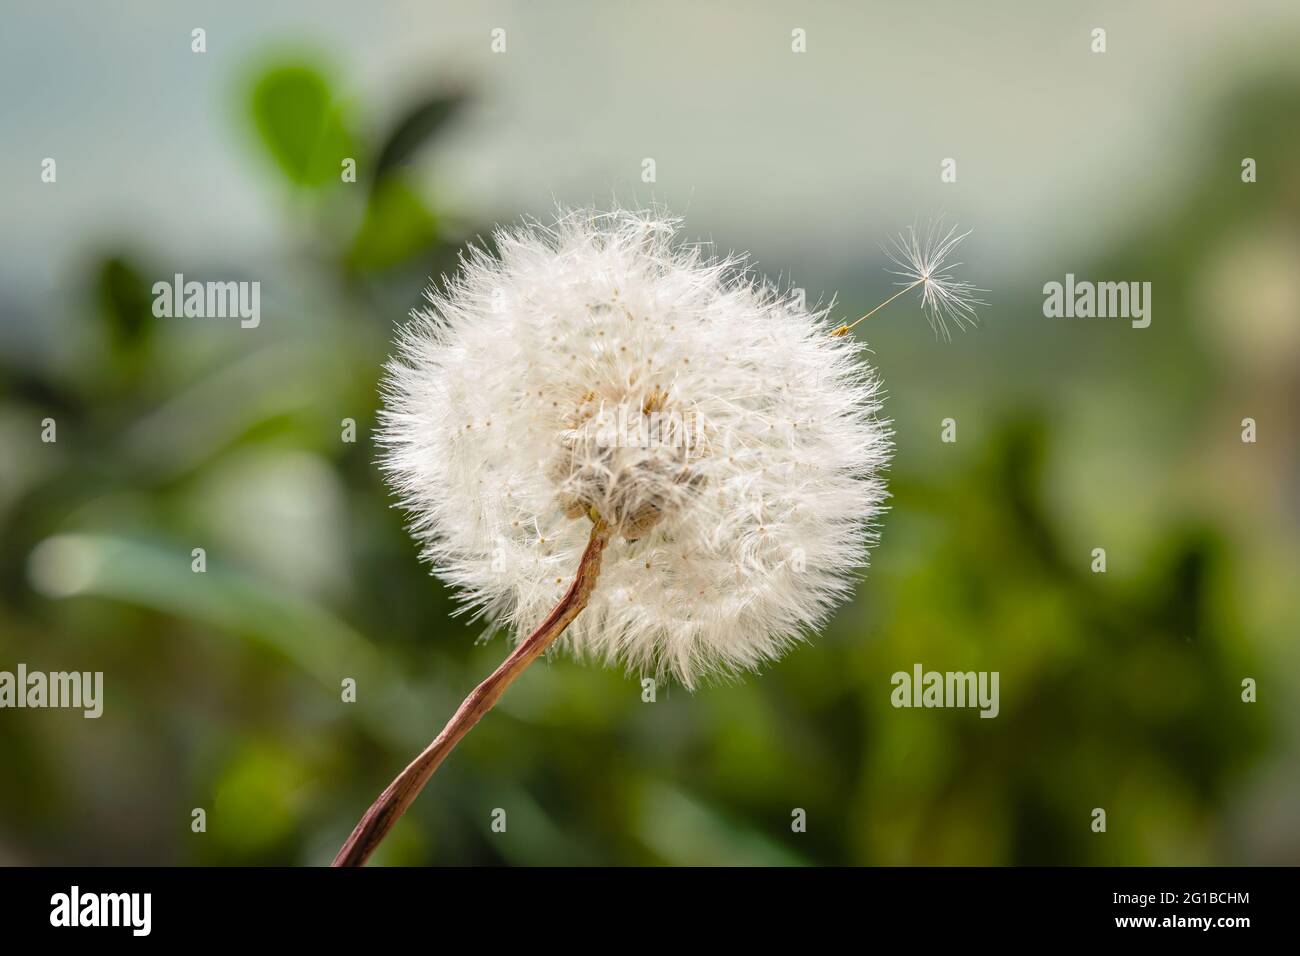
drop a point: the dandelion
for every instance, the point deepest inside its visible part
(617, 444)
(922, 260)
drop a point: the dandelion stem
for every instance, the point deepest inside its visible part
(843, 329)
(401, 793)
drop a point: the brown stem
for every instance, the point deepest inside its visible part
(401, 793)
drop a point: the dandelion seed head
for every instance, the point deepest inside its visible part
(733, 445)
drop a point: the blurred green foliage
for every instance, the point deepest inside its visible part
(300, 124)
(1119, 691)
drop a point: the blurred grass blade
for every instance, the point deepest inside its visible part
(158, 576)
(685, 831)
(413, 129)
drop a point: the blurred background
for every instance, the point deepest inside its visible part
(223, 689)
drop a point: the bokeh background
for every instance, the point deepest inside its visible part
(222, 690)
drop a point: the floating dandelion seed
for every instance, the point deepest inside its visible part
(701, 553)
(922, 260)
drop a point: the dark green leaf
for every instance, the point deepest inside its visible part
(124, 302)
(418, 125)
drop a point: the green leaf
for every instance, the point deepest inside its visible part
(300, 124)
(263, 788)
(396, 227)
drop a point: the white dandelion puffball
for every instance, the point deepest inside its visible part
(599, 368)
